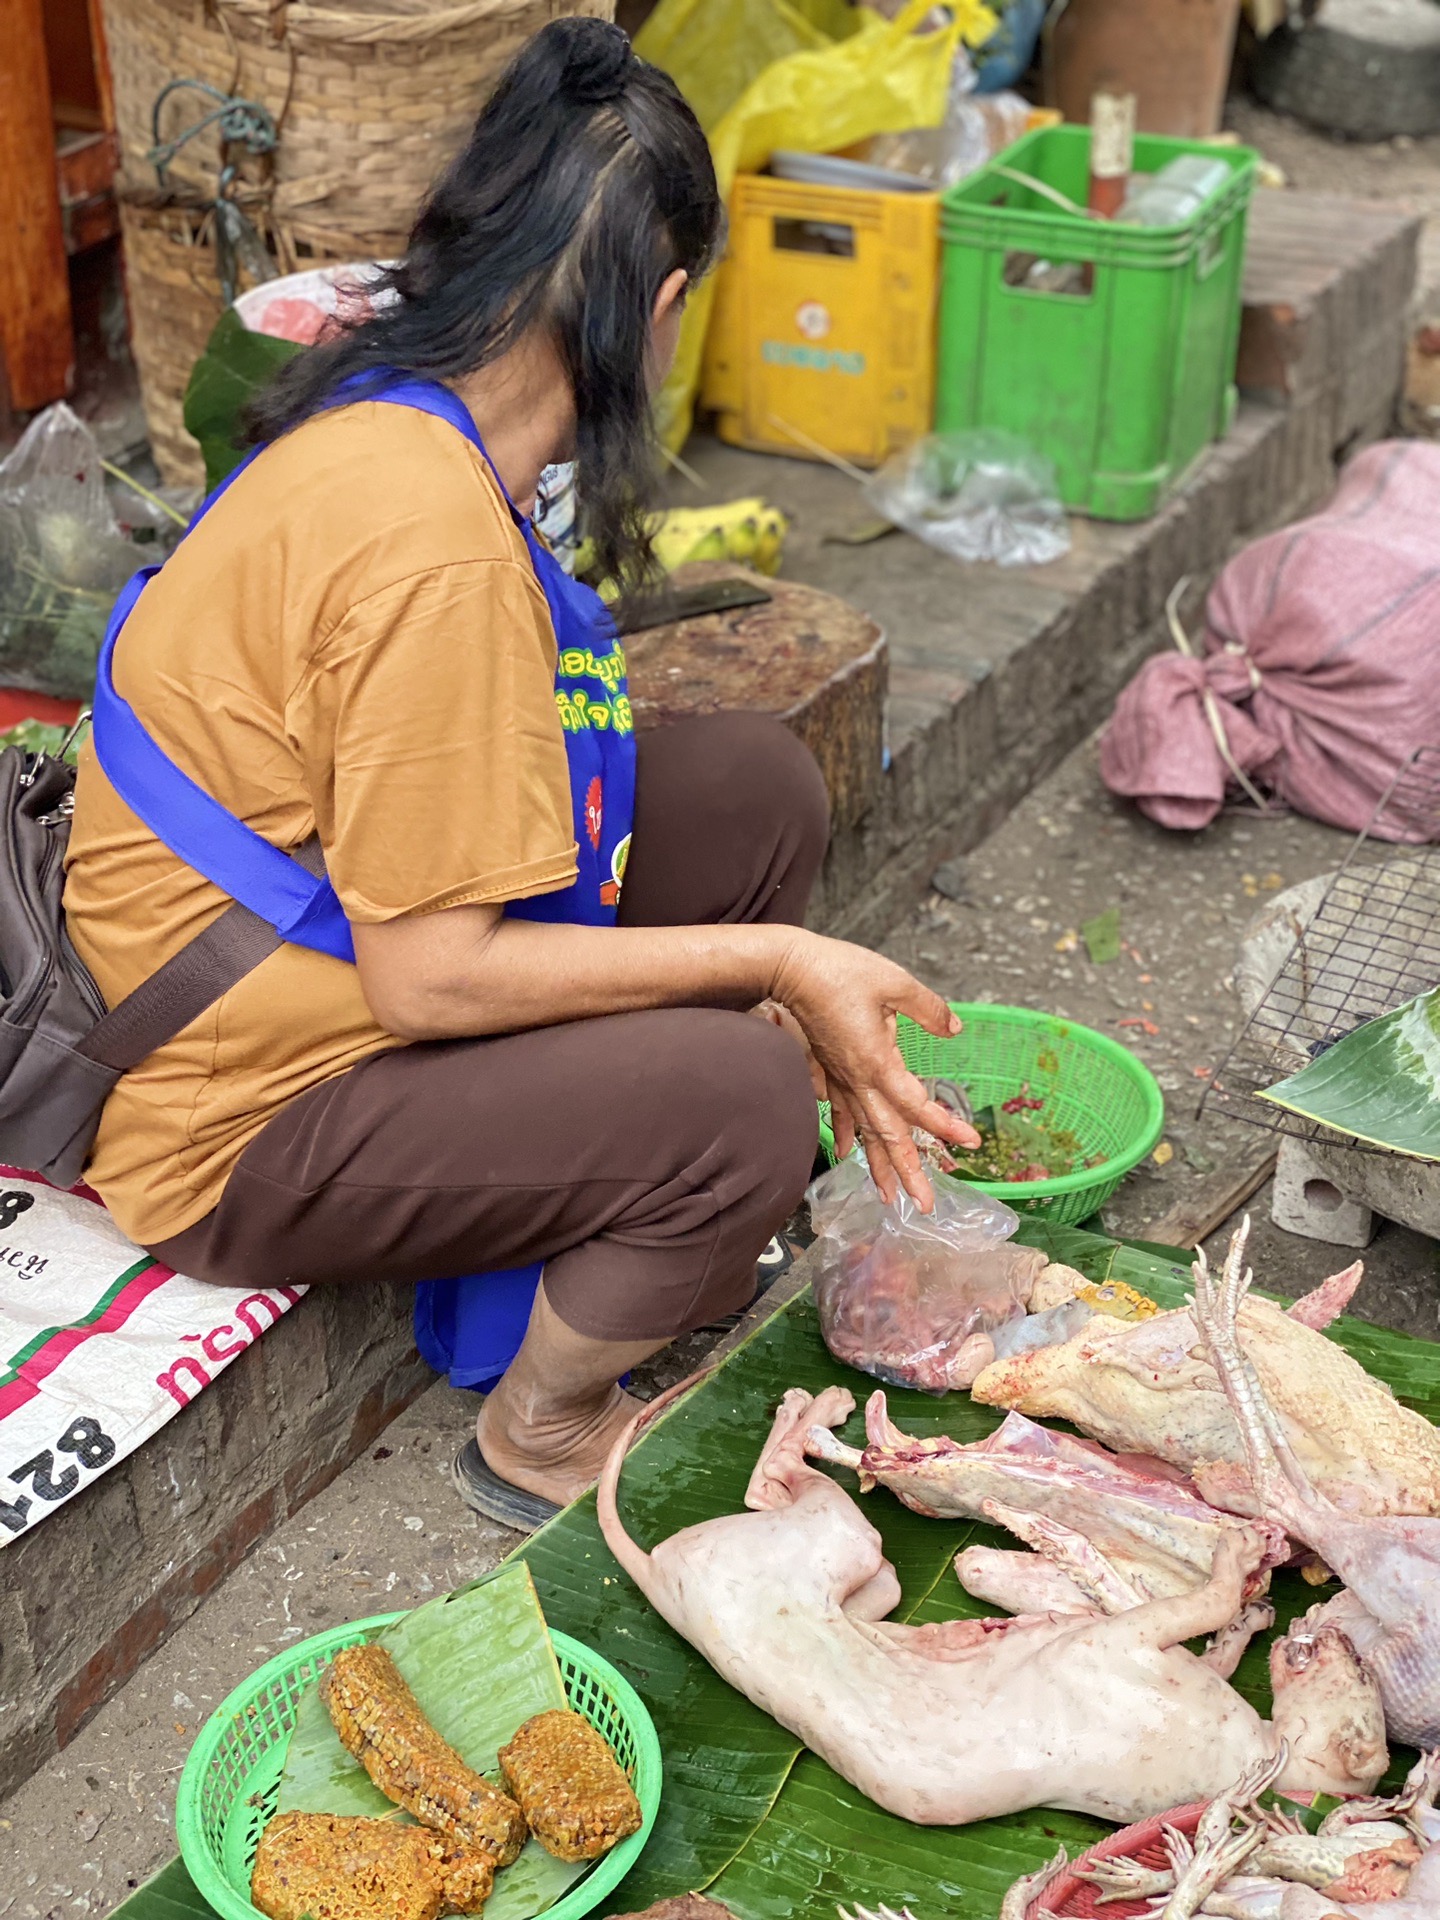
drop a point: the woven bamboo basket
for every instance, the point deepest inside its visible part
(174, 302)
(372, 98)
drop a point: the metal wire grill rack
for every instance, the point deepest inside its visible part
(1371, 943)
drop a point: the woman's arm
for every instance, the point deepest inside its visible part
(471, 971)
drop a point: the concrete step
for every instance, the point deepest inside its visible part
(994, 677)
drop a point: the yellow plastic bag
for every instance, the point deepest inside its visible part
(714, 50)
(883, 77)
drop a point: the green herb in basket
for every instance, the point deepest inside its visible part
(1016, 1145)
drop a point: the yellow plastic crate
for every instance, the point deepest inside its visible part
(822, 337)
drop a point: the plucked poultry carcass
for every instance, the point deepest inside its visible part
(967, 1719)
(1154, 1533)
(1149, 1388)
(1390, 1563)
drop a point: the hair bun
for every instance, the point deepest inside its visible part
(597, 59)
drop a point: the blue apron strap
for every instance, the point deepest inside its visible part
(429, 396)
(301, 906)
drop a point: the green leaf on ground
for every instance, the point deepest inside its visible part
(480, 1663)
(1381, 1083)
(234, 367)
(1102, 936)
(40, 736)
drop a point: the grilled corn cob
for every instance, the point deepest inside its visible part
(329, 1867)
(379, 1721)
(570, 1786)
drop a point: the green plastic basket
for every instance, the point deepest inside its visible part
(230, 1782)
(1091, 1085)
(1122, 380)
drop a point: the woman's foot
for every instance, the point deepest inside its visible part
(556, 1454)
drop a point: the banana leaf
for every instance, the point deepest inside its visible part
(234, 367)
(480, 1663)
(1380, 1083)
(747, 1816)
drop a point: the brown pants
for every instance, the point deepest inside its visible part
(645, 1157)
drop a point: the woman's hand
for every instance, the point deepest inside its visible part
(844, 999)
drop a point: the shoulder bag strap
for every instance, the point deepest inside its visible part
(189, 982)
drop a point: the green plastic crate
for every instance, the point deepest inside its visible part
(1124, 384)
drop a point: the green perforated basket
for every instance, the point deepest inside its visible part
(231, 1780)
(1091, 1085)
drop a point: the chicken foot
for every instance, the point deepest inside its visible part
(1219, 1847)
(1367, 1857)
(1414, 1804)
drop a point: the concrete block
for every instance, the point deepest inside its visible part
(91, 1594)
(18, 1674)
(1307, 1201)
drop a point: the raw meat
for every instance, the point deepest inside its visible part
(1155, 1533)
(916, 1298)
(966, 1719)
(1390, 1608)
(1148, 1388)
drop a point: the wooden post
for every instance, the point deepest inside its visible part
(35, 328)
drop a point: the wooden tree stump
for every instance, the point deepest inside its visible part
(813, 661)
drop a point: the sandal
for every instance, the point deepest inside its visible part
(484, 1492)
(779, 1256)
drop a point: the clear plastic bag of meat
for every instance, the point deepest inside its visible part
(910, 1297)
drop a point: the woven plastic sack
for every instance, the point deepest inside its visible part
(1319, 672)
(882, 76)
(908, 1296)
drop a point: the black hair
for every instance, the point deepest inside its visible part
(585, 182)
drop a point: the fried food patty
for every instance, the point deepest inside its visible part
(325, 1866)
(570, 1787)
(379, 1721)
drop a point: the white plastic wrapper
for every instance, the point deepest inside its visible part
(1052, 1328)
(909, 1297)
(981, 495)
(64, 555)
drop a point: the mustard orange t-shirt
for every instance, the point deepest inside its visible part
(352, 641)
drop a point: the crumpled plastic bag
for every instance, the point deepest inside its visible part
(881, 77)
(1052, 1328)
(910, 1297)
(64, 556)
(983, 494)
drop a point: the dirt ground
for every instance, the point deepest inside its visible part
(1070, 852)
